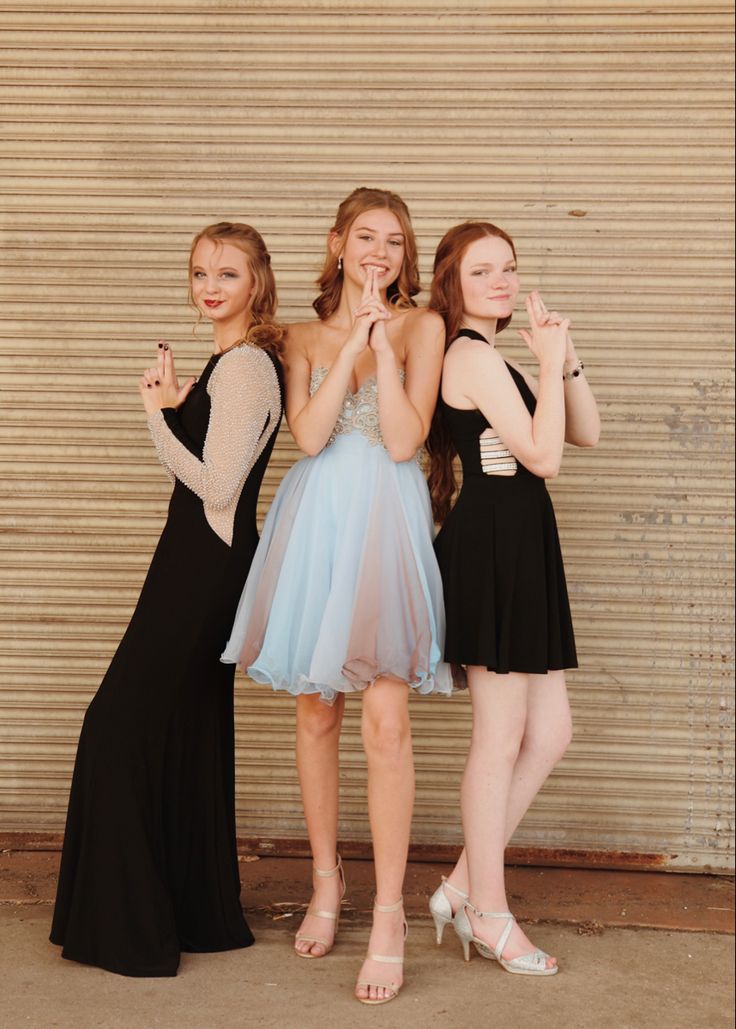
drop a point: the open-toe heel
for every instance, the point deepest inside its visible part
(534, 963)
(333, 916)
(440, 907)
(393, 987)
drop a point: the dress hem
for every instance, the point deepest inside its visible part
(425, 684)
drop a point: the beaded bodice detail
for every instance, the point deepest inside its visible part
(359, 411)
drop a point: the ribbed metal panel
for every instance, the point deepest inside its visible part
(598, 134)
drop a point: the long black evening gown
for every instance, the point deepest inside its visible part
(149, 867)
(503, 579)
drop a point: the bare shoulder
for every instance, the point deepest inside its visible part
(300, 334)
(422, 318)
(421, 329)
(300, 340)
(471, 353)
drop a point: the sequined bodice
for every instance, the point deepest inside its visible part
(359, 412)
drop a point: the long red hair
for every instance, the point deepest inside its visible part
(401, 292)
(446, 298)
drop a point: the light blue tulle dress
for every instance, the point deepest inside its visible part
(344, 586)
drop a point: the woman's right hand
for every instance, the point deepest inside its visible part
(547, 339)
(370, 311)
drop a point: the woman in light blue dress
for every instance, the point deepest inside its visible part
(344, 592)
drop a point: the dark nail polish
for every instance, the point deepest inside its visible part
(166, 346)
(160, 346)
(148, 385)
(157, 382)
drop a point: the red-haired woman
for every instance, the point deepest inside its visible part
(508, 617)
(345, 592)
(149, 867)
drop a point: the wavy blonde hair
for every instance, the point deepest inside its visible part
(265, 332)
(401, 292)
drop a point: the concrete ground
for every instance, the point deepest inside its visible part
(611, 976)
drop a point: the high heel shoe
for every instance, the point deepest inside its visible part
(393, 987)
(333, 916)
(534, 963)
(440, 907)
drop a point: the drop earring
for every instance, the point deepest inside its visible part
(339, 263)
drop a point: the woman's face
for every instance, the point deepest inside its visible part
(375, 240)
(222, 282)
(488, 279)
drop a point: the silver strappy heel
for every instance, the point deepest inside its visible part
(440, 907)
(534, 963)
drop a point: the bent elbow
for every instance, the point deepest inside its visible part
(545, 469)
(589, 438)
(310, 447)
(398, 454)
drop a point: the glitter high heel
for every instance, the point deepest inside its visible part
(534, 963)
(440, 907)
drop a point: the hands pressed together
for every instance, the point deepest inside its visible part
(369, 328)
(159, 387)
(549, 336)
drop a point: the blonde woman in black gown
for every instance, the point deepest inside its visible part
(149, 867)
(508, 617)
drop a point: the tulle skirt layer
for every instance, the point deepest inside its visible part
(345, 586)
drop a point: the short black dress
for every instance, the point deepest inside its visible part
(506, 599)
(149, 866)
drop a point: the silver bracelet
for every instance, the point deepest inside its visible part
(574, 373)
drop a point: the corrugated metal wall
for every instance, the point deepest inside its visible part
(598, 134)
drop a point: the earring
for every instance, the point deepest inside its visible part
(339, 264)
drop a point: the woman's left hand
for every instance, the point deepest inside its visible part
(159, 387)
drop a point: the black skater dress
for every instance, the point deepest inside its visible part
(506, 600)
(149, 866)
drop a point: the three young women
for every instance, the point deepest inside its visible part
(344, 593)
(507, 611)
(149, 866)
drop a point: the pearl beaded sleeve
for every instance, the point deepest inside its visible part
(245, 402)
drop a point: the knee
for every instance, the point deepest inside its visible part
(497, 743)
(551, 745)
(385, 738)
(316, 720)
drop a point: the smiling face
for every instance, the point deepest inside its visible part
(375, 240)
(222, 283)
(488, 279)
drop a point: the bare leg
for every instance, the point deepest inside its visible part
(546, 737)
(317, 760)
(500, 705)
(387, 743)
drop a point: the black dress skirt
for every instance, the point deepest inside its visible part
(149, 866)
(504, 585)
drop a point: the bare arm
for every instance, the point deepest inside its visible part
(480, 372)
(312, 418)
(405, 410)
(582, 421)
